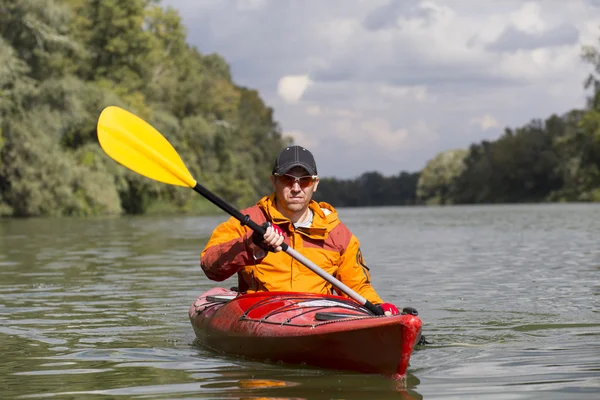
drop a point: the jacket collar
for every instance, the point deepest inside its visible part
(322, 223)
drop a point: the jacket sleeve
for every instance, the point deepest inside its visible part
(229, 249)
(355, 274)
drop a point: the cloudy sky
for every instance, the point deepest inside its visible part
(385, 85)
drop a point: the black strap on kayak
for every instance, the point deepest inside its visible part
(330, 316)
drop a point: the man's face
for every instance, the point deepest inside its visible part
(294, 194)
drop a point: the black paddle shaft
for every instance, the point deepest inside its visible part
(245, 220)
(223, 205)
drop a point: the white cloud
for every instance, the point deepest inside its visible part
(340, 112)
(377, 134)
(338, 31)
(383, 135)
(418, 93)
(250, 4)
(313, 110)
(528, 18)
(386, 85)
(346, 131)
(291, 87)
(485, 122)
(303, 139)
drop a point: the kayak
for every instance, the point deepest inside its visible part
(325, 331)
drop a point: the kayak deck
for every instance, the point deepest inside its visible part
(302, 328)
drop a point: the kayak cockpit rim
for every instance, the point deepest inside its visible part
(310, 305)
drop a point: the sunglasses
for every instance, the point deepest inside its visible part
(303, 181)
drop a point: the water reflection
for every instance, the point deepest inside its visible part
(233, 382)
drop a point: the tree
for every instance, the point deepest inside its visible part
(436, 183)
(39, 33)
(63, 61)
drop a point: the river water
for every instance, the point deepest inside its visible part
(509, 297)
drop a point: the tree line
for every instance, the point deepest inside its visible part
(551, 160)
(63, 61)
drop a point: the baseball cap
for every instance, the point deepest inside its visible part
(294, 156)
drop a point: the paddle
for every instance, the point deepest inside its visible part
(134, 143)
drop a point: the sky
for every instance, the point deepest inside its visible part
(386, 85)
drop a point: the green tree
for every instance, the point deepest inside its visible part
(521, 166)
(118, 47)
(39, 33)
(371, 189)
(63, 61)
(37, 178)
(436, 183)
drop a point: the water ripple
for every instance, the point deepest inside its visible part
(97, 308)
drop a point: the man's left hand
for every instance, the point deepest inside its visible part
(389, 309)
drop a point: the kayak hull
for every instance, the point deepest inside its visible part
(302, 328)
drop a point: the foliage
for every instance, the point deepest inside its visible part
(519, 167)
(437, 180)
(63, 61)
(38, 178)
(368, 190)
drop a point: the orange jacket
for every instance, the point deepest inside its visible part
(328, 243)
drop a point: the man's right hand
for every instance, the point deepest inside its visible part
(272, 239)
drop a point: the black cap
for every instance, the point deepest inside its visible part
(294, 156)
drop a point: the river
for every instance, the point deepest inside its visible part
(509, 296)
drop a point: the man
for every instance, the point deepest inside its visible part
(289, 214)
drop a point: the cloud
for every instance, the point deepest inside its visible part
(250, 4)
(338, 31)
(378, 134)
(389, 14)
(383, 135)
(528, 18)
(303, 139)
(418, 93)
(513, 39)
(315, 110)
(291, 87)
(386, 85)
(485, 122)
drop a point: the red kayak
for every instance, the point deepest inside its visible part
(320, 330)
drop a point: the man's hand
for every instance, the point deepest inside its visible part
(389, 309)
(272, 239)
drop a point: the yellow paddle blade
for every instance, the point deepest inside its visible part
(134, 143)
